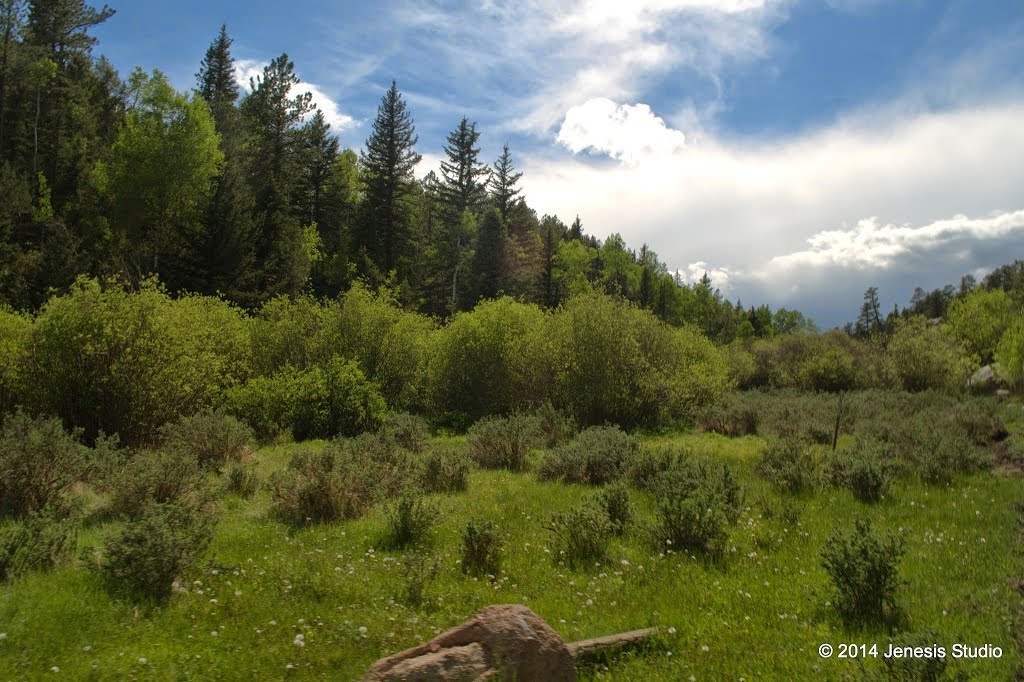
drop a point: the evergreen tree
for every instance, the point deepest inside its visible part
(273, 113)
(576, 229)
(503, 182)
(870, 319)
(388, 164)
(216, 79)
(464, 185)
(487, 258)
(320, 148)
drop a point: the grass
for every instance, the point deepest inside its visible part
(759, 613)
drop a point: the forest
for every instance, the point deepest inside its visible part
(272, 408)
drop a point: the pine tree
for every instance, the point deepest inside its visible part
(503, 182)
(388, 165)
(320, 148)
(464, 185)
(576, 229)
(487, 258)
(273, 114)
(870, 319)
(215, 81)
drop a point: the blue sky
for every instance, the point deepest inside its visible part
(798, 150)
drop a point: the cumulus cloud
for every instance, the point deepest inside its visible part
(624, 132)
(247, 70)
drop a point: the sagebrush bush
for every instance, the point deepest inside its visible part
(242, 480)
(409, 521)
(482, 546)
(938, 449)
(213, 438)
(695, 502)
(732, 416)
(419, 570)
(161, 476)
(867, 469)
(924, 356)
(145, 555)
(39, 462)
(406, 430)
(788, 463)
(502, 442)
(598, 455)
(648, 463)
(580, 534)
(980, 420)
(341, 481)
(555, 428)
(15, 330)
(317, 488)
(445, 470)
(614, 501)
(864, 569)
(36, 543)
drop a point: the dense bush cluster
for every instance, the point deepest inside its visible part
(788, 463)
(502, 442)
(482, 546)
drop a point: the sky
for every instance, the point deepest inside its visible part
(798, 151)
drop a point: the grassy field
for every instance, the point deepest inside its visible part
(759, 613)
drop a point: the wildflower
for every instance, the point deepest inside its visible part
(54, 669)
(671, 631)
(214, 634)
(705, 647)
(362, 630)
(142, 660)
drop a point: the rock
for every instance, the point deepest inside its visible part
(506, 641)
(986, 378)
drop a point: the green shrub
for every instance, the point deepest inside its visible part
(160, 476)
(599, 455)
(494, 359)
(103, 358)
(409, 521)
(980, 420)
(389, 344)
(290, 332)
(15, 331)
(695, 502)
(502, 442)
(580, 534)
(980, 319)
(213, 438)
(406, 430)
(614, 501)
(36, 543)
(242, 480)
(555, 427)
(481, 549)
(313, 403)
(1010, 353)
(867, 469)
(146, 555)
(787, 463)
(39, 462)
(647, 464)
(419, 570)
(317, 488)
(924, 356)
(732, 416)
(937, 449)
(619, 364)
(864, 570)
(341, 481)
(445, 470)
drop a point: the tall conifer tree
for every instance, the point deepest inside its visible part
(388, 164)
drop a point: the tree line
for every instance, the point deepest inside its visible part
(251, 196)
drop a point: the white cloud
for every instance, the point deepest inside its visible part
(873, 245)
(247, 70)
(625, 132)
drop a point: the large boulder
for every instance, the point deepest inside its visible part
(501, 642)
